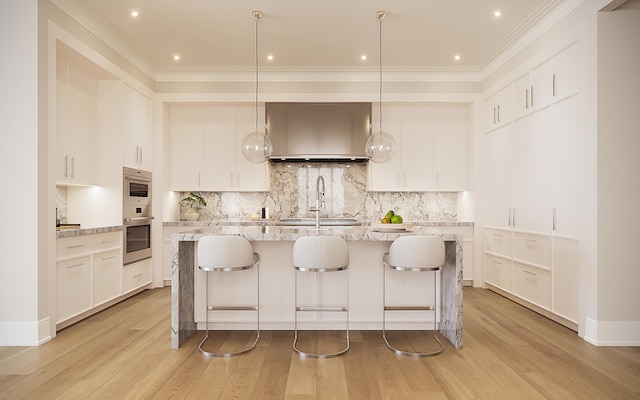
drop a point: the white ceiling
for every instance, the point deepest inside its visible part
(326, 35)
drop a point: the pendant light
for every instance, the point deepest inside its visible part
(380, 146)
(256, 146)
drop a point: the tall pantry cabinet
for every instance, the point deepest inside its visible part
(530, 172)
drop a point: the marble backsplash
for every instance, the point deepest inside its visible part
(293, 193)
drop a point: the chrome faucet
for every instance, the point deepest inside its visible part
(319, 200)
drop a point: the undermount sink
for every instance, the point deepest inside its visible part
(323, 222)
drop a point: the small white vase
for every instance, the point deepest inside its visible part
(191, 215)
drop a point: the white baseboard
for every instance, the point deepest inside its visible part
(24, 333)
(612, 333)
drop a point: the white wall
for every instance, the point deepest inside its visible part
(19, 207)
(618, 275)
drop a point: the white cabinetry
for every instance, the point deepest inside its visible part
(88, 270)
(498, 109)
(531, 175)
(534, 90)
(77, 132)
(136, 275)
(206, 153)
(431, 149)
(137, 129)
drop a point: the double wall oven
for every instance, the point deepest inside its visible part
(137, 214)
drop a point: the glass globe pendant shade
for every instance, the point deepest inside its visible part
(380, 147)
(257, 147)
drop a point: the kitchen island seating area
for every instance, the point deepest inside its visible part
(223, 254)
(366, 248)
(320, 255)
(413, 254)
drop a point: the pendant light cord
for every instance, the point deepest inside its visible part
(257, 18)
(380, 17)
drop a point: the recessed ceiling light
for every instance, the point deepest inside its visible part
(134, 13)
(176, 57)
(363, 57)
(270, 57)
(456, 57)
(497, 13)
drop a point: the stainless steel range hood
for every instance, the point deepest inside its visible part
(318, 131)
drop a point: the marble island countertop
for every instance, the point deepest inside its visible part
(71, 232)
(278, 233)
(269, 222)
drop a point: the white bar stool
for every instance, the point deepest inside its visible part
(420, 254)
(228, 254)
(320, 254)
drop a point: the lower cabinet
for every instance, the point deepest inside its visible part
(136, 275)
(538, 271)
(90, 275)
(73, 287)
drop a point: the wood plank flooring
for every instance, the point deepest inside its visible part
(509, 352)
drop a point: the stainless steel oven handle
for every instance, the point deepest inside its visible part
(137, 219)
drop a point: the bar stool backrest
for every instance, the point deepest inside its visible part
(417, 252)
(224, 252)
(320, 252)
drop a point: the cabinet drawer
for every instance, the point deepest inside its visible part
(498, 242)
(532, 249)
(136, 275)
(85, 244)
(498, 272)
(73, 287)
(532, 284)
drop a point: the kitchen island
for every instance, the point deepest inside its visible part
(274, 244)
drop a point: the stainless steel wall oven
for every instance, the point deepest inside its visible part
(137, 214)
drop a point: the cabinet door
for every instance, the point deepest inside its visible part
(565, 176)
(62, 116)
(388, 176)
(250, 177)
(145, 134)
(131, 150)
(521, 97)
(565, 278)
(450, 147)
(219, 146)
(73, 287)
(106, 279)
(417, 150)
(566, 72)
(531, 170)
(186, 147)
(541, 91)
(83, 139)
(497, 177)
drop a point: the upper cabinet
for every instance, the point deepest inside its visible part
(431, 149)
(206, 153)
(498, 109)
(566, 72)
(534, 90)
(77, 131)
(137, 129)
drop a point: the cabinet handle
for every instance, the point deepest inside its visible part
(497, 262)
(513, 217)
(530, 240)
(531, 96)
(107, 241)
(529, 272)
(75, 246)
(66, 162)
(554, 220)
(137, 275)
(497, 234)
(494, 115)
(498, 112)
(526, 99)
(108, 258)
(75, 266)
(553, 85)
(141, 155)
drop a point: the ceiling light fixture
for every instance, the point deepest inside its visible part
(497, 13)
(176, 57)
(456, 57)
(380, 146)
(256, 146)
(134, 13)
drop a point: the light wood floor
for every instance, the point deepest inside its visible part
(509, 353)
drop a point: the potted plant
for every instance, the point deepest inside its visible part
(192, 200)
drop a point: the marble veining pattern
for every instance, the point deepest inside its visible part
(182, 270)
(293, 192)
